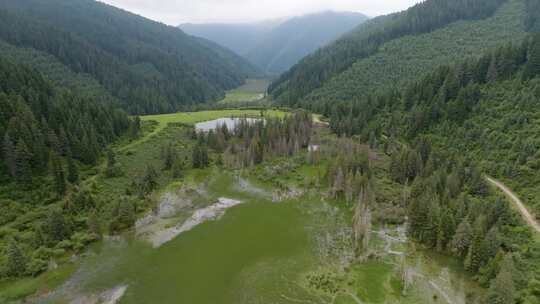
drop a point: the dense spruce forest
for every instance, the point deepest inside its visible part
(442, 133)
(148, 66)
(414, 112)
(391, 50)
(48, 136)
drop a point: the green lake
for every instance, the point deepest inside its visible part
(248, 256)
(257, 252)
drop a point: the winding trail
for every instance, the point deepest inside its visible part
(529, 218)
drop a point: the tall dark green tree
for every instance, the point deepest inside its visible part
(23, 168)
(9, 155)
(532, 68)
(502, 289)
(73, 170)
(16, 260)
(56, 227)
(59, 174)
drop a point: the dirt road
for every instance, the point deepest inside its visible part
(529, 218)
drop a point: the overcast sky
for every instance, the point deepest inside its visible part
(175, 12)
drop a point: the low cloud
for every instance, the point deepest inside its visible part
(174, 12)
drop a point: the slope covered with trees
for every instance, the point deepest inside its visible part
(48, 136)
(298, 37)
(486, 106)
(403, 60)
(150, 67)
(369, 40)
(442, 133)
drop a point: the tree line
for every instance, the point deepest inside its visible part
(252, 141)
(39, 125)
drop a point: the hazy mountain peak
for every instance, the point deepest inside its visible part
(275, 45)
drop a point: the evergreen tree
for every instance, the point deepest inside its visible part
(135, 128)
(16, 260)
(113, 169)
(73, 171)
(475, 257)
(94, 223)
(200, 156)
(56, 227)
(23, 169)
(502, 288)
(59, 175)
(257, 150)
(462, 239)
(178, 168)
(125, 217)
(9, 155)
(532, 68)
(148, 182)
(169, 156)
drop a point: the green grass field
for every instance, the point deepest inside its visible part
(252, 90)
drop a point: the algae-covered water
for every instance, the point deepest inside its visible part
(262, 252)
(250, 255)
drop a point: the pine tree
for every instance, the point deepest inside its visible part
(53, 142)
(56, 227)
(94, 224)
(73, 171)
(462, 239)
(149, 181)
(200, 156)
(502, 289)
(59, 174)
(16, 260)
(493, 72)
(257, 150)
(169, 155)
(532, 69)
(23, 169)
(126, 215)
(135, 128)
(9, 155)
(475, 257)
(178, 168)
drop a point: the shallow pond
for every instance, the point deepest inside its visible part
(258, 252)
(248, 256)
(229, 122)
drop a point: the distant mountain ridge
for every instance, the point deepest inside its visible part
(275, 46)
(240, 38)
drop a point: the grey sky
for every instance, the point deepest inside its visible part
(174, 12)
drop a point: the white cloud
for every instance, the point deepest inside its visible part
(174, 12)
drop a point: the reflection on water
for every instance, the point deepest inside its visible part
(229, 122)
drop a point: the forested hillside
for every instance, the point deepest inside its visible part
(402, 60)
(442, 133)
(48, 137)
(150, 67)
(369, 42)
(275, 46)
(485, 108)
(296, 38)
